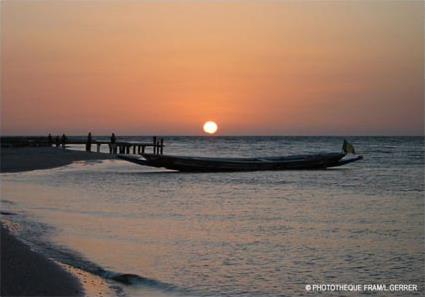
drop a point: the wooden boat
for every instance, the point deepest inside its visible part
(203, 164)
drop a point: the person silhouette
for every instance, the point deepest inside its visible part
(49, 140)
(88, 144)
(64, 139)
(112, 148)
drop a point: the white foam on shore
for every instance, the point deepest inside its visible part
(93, 285)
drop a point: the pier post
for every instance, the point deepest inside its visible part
(134, 149)
(154, 145)
(162, 146)
(143, 149)
(98, 147)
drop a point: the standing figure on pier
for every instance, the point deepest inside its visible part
(63, 140)
(50, 139)
(112, 148)
(88, 144)
(57, 141)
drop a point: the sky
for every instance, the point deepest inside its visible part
(254, 67)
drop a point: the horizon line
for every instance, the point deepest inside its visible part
(212, 136)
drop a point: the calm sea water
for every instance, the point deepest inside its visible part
(234, 234)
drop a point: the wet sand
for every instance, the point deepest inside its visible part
(23, 271)
(26, 273)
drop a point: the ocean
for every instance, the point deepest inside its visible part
(269, 233)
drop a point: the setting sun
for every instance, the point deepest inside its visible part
(210, 127)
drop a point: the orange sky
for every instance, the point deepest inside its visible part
(255, 67)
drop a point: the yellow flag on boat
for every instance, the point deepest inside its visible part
(348, 148)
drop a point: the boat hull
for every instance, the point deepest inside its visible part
(201, 164)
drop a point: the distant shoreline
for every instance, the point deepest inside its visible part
(34, 158)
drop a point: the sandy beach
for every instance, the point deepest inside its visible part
(34, 158)
(23, 271)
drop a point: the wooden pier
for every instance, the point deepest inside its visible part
(155, 147)
(123, 147)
